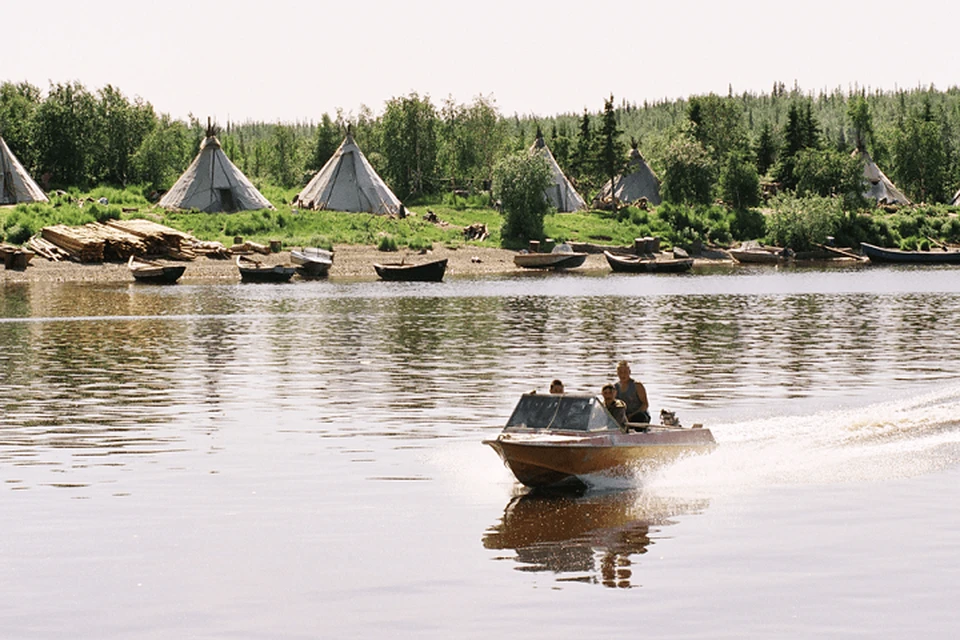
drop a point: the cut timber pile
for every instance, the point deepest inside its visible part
(117, 240)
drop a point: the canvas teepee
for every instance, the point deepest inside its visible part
(639, 182)
(347, 182)
(16, 185)
(877, 186)
(212, 183)
(560, 193)
(956, 199)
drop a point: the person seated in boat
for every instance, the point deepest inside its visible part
(633, 394)
(556, 387)
(616, 406)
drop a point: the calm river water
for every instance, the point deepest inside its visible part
(304, 460)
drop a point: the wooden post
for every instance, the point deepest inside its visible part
(238, 240)
(275, 246)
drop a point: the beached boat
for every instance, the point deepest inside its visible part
(757, 255)
(880, 254)
(254, 271)
(638, 264)
(423, 272)
(150, 272)
(562, 257)
(311, 261)
(15, 257)
(573, 439)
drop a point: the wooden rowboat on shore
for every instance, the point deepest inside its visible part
(638, 264)
(897, 256)
(150, 272)
(423, 272)
(254, 271)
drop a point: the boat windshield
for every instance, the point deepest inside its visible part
(573, 413)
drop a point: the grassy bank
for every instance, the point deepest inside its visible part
(787, 221)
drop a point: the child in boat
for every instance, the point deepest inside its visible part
(616, 406)
(556, 387)
(633, 395)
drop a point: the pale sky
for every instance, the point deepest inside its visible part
(287, 60)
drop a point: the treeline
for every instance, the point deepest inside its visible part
(704, 148)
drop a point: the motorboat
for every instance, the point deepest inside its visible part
(639, 264)
(897, 256)
(572, 439)
(412, 272)
(562, 257)
(255, 271)
(312, 261)
(150, 272)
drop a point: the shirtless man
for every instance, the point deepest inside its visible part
(633, 395)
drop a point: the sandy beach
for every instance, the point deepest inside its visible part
(350, 261)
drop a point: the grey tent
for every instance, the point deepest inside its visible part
(877, 186)
(213, 183)
(347, 182)
(560, 193)
(16, 185)
(956, 199)
(639, 182)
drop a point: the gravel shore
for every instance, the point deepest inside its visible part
(350, 261)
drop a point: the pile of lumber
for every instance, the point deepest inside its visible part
(159, 240)
(117, 240)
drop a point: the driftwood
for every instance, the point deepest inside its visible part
(476, 231)
(841, 252)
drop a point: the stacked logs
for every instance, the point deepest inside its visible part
(117, 240)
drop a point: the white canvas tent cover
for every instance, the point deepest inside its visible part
(560, 193)
(877, 186)
(213, 183)
(16, 185)
(956, 199)
(347, 182)
(639, 182)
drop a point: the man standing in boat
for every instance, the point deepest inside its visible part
(633, 395)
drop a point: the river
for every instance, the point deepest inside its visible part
(305, 460)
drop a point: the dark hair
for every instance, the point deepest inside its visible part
(608, 386)
(556, 383)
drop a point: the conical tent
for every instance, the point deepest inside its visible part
(956, 199)
(560, 193)
(639, 182)
(877, 186)
(347, 182)
(213, 183)
(16, 185)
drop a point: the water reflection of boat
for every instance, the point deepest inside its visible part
(569, 439)
(583, 536)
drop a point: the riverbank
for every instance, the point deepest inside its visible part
(350, 261)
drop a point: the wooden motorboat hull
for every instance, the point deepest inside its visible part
(622, 264)
(549, 459)
(425, 272)
(549, 260)
(312, 262)
(896, 256)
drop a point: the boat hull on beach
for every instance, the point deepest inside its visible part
(311, 261)
(636, 264)
(149, 272)
(253, 271)
(896, 256)
(559, 260)
(424, 272)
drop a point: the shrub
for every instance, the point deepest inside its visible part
(519, 182)
(387, 243)
(802, 223)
